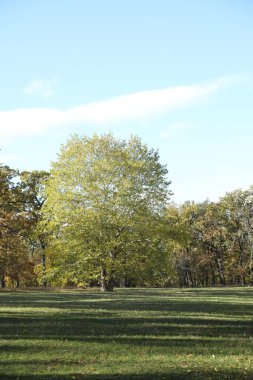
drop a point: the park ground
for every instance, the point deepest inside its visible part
(127, 334)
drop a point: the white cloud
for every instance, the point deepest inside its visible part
(132, 107)
(41, 87)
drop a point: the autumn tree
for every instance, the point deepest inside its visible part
(32, 195)
(20, 203)
(15, 262)
(237, 209)
(201, 252)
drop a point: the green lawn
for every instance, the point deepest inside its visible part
(129, 334)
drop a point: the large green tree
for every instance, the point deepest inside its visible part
(105, 210)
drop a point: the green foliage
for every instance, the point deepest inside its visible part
(105, 205)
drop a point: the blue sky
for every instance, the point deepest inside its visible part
(177, 73)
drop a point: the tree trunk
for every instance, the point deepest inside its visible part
(2, 282)
(107, 281)
(241, 262)
(251, 271)
(122, 282)
(220, 268)
(43, 264)
(189, 280)
(43, 260)
(251, 264)
(213, 281)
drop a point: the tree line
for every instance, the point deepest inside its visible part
(103, 216)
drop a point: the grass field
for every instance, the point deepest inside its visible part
(129, 334)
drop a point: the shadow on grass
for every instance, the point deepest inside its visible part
(171, 322)
(173, 375)
(87, 316)
(198, 300)
(88, 327)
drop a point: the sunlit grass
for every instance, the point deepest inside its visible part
(130, 334)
